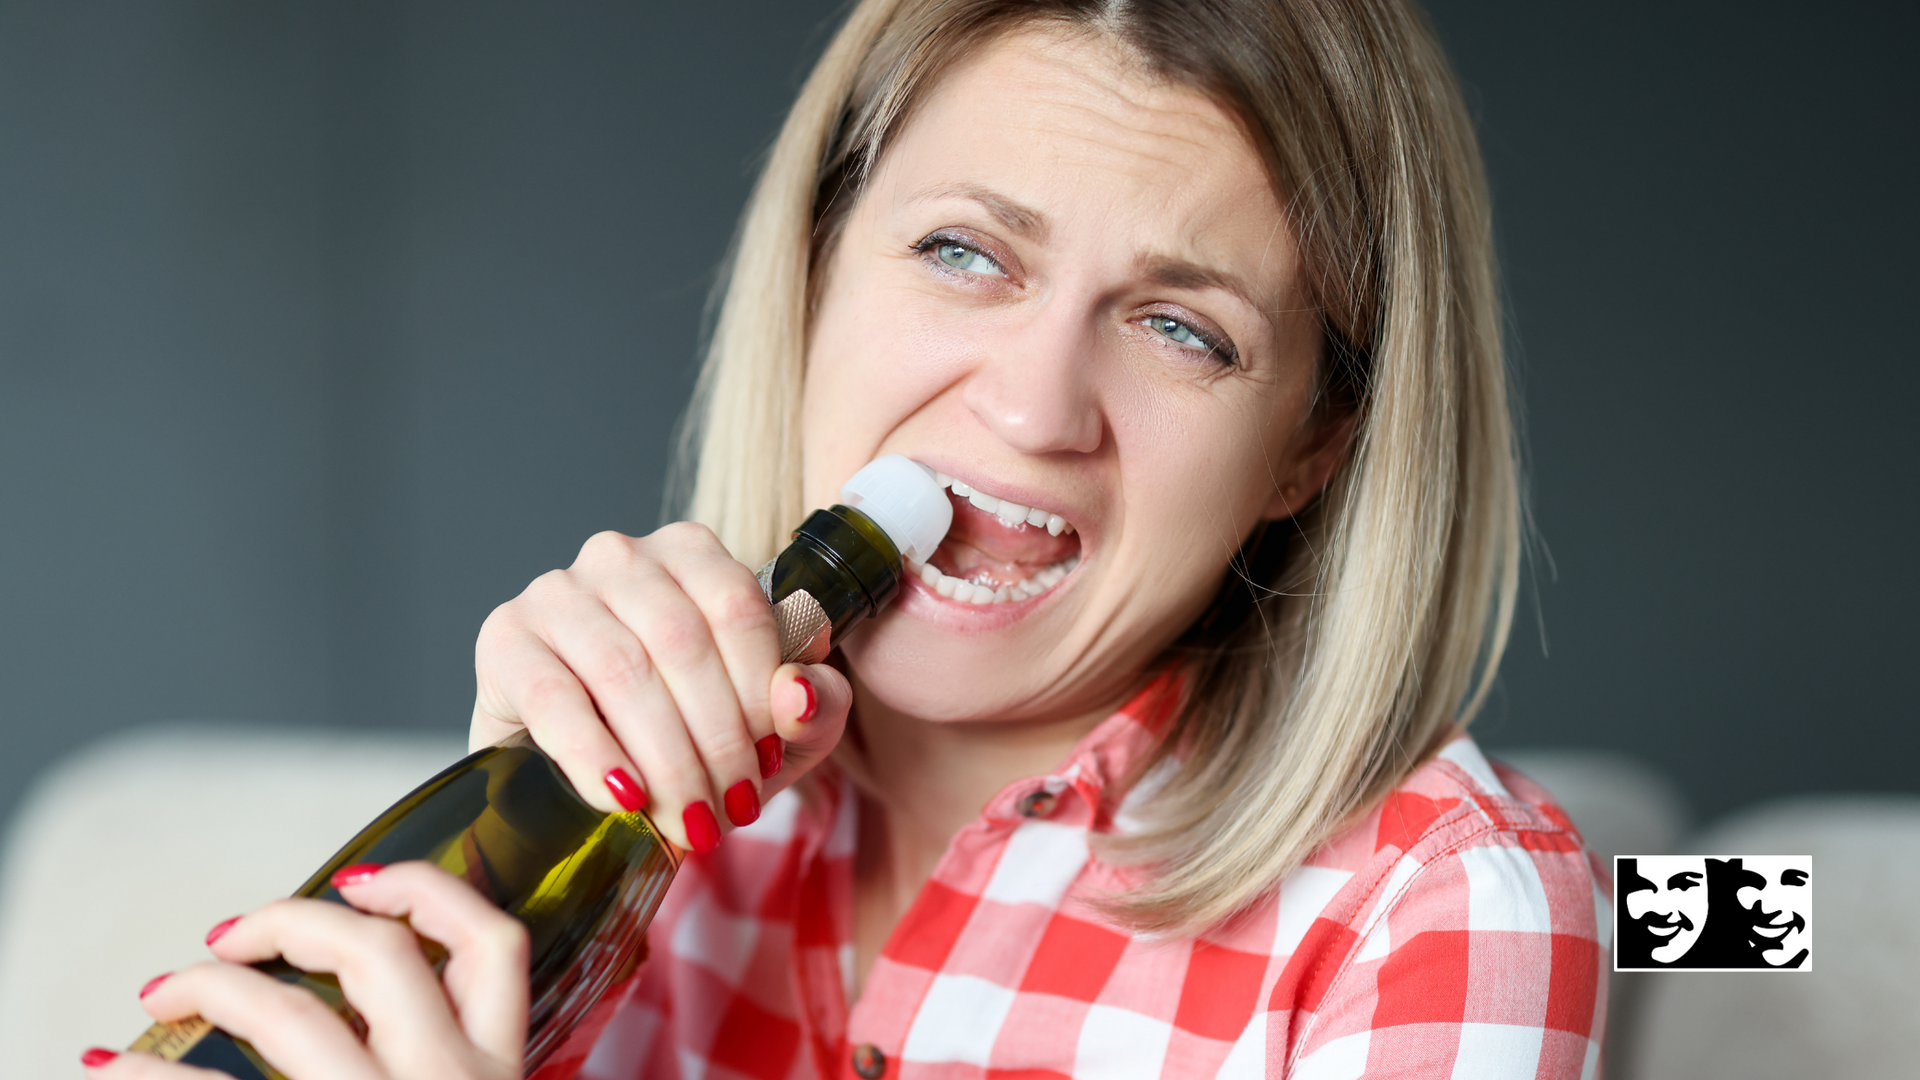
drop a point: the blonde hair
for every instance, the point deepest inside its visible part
(1379, 629)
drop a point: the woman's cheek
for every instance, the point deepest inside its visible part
(865, 387)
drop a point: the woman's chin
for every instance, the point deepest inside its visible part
(935, 659)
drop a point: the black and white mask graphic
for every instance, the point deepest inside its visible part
(1713, 913)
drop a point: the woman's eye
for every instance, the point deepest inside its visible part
(961, 257)
(1182, 334)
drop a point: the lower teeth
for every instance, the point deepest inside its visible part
(969, 593)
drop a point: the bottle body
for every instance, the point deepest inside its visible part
(506, 821)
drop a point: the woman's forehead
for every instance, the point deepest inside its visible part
(1050, 132)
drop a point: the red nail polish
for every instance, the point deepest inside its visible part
(154, 982)
(355, 874)
(813, 700)
(703, 832)
(773, 754)
(214, 934)
(626, 790)
(743, 804)
(98, 1056)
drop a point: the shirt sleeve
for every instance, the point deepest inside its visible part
(1484, 959)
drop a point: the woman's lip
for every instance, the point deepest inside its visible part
(1663, 931)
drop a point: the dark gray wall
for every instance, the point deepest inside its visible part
(1708, 219)
(324, 327)
(162, 315)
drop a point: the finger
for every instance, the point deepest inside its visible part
(288, 1025)
(380, 968)
(125, 1065)
(810, 707)
(735, 606)
(524, 681)
(685, 648)
(486, 970)
(495, 714)
(640, 715)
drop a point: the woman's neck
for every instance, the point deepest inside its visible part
(925, 781)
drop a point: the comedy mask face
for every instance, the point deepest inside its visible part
(1071, 288)
(1780, 908)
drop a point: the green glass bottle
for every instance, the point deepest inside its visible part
(586, 883)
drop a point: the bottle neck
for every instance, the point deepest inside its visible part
(843, 560)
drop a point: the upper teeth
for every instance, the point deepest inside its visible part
(1010, 513)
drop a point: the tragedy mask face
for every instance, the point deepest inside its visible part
(1669, 902)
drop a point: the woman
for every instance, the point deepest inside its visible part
(1157, 768)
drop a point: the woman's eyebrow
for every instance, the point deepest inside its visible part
(1165, 271)
(1022, 219)
(1171, 273)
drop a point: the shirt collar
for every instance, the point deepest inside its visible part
(1108, 756)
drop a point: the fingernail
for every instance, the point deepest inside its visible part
(355, 874)
(773, 754)
(813, 699)
(154, 982)
(743, 804)
(626, 790)
(215, 934)
(98, 1056)
(703, 832)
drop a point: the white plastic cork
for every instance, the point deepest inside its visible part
(900, 495)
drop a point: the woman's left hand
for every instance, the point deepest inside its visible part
(468, 1023)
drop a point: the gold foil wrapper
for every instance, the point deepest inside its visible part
(805, 635)
(169, 1040)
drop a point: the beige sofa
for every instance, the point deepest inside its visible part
(122, 857)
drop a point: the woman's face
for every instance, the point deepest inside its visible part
(1073, 289)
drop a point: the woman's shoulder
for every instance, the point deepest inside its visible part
(1457, 800)
(1464, 842)
(1461, 919)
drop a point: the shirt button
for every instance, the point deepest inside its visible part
(1036, 804)
(869, 1062)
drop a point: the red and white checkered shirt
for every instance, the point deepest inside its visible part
(1459, 930)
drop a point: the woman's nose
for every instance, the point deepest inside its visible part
(1036, 391)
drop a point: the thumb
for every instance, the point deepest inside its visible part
(810, 706)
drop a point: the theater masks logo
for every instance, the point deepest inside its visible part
(1713, 913)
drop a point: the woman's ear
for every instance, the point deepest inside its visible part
(1312, 459)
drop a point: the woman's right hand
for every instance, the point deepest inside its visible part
(650, 671)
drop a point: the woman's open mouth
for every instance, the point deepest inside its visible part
(998, 551)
